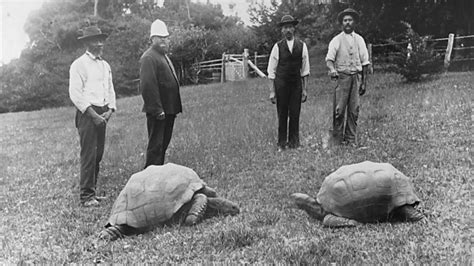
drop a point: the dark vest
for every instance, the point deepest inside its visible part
(289, 64)
(160, 89)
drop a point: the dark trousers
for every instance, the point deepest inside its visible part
(92, 141)
(346, 101)
(159, 137)
(288, 101)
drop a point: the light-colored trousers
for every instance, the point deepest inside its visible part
(346, 108)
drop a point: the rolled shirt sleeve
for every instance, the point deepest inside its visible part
(273, 62)
(332, 50)
(305, 63)
(76, 87)
(363, 52)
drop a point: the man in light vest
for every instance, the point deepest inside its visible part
(160, 91)
(348, 61)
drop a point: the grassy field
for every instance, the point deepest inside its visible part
(227, 134)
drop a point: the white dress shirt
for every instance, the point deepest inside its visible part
(90, 83)
(274, 56)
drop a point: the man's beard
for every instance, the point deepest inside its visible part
(289, 35)
(348, 28)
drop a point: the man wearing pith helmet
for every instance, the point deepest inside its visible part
(288, 69)
(160, 91)
(348, 61)
(92, 92)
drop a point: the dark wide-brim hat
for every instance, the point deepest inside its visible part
(348, 11)
(287, 19)
(92, 32)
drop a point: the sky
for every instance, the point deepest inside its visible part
(13, 14)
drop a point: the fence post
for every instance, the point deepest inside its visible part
(255, 54)
(223, 68)
(371, 66)
(245, 66)
(449, 49)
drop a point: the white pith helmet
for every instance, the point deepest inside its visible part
(158, 28)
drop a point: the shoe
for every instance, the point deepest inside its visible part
(91, 203)
(282, 146)
(101, 198)
(349, 143)
(293, 145)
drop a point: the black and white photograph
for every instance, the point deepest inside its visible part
(268, 132)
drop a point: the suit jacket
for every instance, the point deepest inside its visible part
(158, 83)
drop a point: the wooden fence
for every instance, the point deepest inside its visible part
(232, 67)
(454, 48)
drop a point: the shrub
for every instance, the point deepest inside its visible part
(418, 59)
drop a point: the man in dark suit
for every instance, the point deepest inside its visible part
(160, 91)
(288, 68)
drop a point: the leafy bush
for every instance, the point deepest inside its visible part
(418, 59)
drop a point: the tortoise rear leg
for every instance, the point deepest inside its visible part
(197, 210)
(331, 220)
(408, 213)
(309, 205)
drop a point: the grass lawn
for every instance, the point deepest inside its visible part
(227, 134)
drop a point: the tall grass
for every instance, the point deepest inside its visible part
(227, 134)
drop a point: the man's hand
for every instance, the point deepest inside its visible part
(161, 116)
(333, 74)
(304, 96)
(273, 97)
(98, 120)
(107, 115)
(362, 88)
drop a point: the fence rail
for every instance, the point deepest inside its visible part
(447, 49)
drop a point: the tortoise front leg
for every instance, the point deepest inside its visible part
(113, 232)
(331, 220)
(197, 209)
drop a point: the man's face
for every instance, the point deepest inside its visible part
(162, 42)
(288, 30)
(348, 23)
(96, 46)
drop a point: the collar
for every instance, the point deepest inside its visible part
(92, 56)
(348, 34)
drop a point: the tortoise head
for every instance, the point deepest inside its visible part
(221, 206)
(309, 205)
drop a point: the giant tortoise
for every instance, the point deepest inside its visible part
(361, 193)
(162, 195)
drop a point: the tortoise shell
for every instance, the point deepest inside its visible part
(366, 191)
(154, 195)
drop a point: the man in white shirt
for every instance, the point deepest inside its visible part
(92, 92)
(348, 61)
(288, 69)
